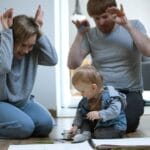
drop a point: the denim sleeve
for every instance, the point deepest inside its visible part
(78, 119)
(112, 111)
(81, 112)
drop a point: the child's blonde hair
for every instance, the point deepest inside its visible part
(87, 74)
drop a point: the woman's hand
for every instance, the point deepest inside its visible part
(39, 16)
(7, 18)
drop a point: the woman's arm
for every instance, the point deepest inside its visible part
(46, 52)
(6, 41)
(141, 40)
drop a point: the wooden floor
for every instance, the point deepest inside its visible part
(64, 124)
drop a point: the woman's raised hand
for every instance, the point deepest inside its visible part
(7, 18)
(39, 16)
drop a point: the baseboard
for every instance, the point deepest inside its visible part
(53, 112)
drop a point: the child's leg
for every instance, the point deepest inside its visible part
(107, 133)
(85, 134)
(86, 126)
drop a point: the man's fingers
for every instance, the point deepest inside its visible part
(121, 8)
(114, 10)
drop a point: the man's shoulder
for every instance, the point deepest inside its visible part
(135, 21)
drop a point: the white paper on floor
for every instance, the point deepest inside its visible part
(64, 146)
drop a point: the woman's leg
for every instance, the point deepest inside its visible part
(14, 123)
(41, 117)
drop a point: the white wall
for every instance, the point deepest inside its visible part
(45, 86)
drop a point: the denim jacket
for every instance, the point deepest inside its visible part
(111, 112)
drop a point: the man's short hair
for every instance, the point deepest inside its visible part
(97, 7)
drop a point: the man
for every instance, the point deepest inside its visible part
(116, 45)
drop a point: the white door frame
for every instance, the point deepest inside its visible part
(62, 47)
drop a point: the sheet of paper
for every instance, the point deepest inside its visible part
(124, 141)
(84, 145)
(62, 146)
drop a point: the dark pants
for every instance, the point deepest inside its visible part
(101, 133)
(134, 109)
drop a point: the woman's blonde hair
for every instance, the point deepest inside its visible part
(23, 28)
(87, 74)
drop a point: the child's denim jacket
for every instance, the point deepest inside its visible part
(112, 110)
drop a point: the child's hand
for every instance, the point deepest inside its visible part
(93, 115)
(73, 130)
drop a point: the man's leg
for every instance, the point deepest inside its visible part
(134, 110)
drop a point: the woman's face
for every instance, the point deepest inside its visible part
(21, 49)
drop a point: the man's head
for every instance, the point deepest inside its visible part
(97, 10)
(98, 7)
(25, 33)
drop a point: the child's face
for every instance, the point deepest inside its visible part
(86, 89)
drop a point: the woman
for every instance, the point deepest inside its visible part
(22, 49)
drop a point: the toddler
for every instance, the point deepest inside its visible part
(100, 113)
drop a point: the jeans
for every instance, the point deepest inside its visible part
(18, 122)
(134, 109)
(101, 132)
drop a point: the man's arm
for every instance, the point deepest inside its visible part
(76, 53)
(141, 40)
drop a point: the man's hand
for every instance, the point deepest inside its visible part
(39, 16)
(82, 26)
(118, 15)
(7, 18)
(93, 115)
